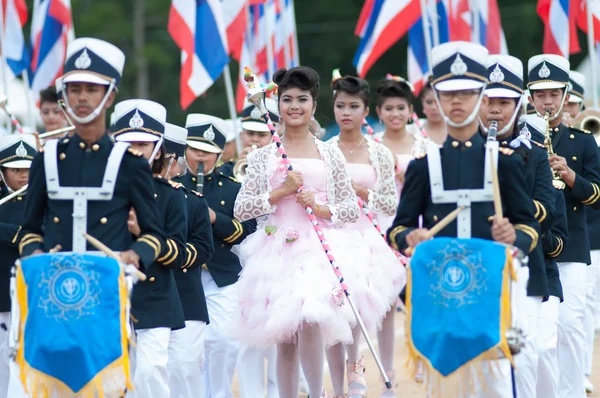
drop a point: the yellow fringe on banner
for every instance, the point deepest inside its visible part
(112, 380)
(463, 381)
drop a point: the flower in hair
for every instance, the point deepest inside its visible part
(400, 79)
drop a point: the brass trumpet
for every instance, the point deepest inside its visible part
(557, 181)
(239, 168)
(589, 120)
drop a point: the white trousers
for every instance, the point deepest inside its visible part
(251, 371)
(571, 336)
(548, 374)
(526, 362)
(497, 380)
(4, 354)
(150, 375)
(186, 360)
(591, 308)
(219, 347)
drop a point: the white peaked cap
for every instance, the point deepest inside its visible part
(175, 133)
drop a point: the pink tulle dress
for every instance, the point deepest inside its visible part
(385, 276)
(287, 279)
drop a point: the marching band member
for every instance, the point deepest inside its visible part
(16, 154)
(255, 134)
(533, 127)
(573, 108)
(576, 167)
(289, 295)
(155, 305)
(250, 364)
(186, 346)
(504, 92)
(52, 115)
(460, 165)
(112, 176)
(434, 125)
(376, 280)
(205, 143)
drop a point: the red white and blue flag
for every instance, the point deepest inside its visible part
(491, 34)
(14, 16)
(381, 24)
(460, 20)
(197, 28)
(560, 31)
(582, 18)
(235, 18)
(418, 65)
(51, 31)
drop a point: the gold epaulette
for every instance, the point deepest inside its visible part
(506, 151)
(174, 184)
(537, 144)
(134, 152)
(231, 178)
(580, 130)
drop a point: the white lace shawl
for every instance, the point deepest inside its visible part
(383, 197)
(253, 199)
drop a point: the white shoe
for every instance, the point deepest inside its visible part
(589, 387)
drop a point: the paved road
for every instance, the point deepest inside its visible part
(408, 388)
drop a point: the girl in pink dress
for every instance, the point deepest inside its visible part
(289, 295)
(371, 167)
(394, 109)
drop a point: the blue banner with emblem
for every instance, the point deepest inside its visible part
(73, 324)
(458, 304)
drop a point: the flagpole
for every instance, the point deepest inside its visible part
(592, 53)
(426, 35)
(231, 105)
(435, 28)
(476, 32)
(269, 14)
(29, 99)
(3, 68)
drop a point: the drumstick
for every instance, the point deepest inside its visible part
(55, 249)
(445, 221)
(496, 184)
(106, 250)
(438, 227)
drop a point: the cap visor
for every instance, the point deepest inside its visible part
(547, 86)
(576, 99)
(136, 137)
(17, 164)
(82, 77)
(502, 93)
(255, 126)
(459, 85)
(203, 146)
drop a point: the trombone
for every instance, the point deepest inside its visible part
(589, 120)
(557, 181)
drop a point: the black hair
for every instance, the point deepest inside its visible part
(426, 88)
(353, 86)
(301, 77)
(392, 88)
(48, 95)
(157, 165)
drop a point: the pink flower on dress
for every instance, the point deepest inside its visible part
(291, 235)
(338, 296)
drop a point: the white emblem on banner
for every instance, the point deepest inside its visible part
(497, 76)
(83, 61)
(21, 151)
(209, 134)
(544, 72)
(136, 120)
(458, 67)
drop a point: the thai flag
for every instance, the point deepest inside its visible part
(418, 66)
(491, 34)
(14, 16)
(281, 58)
(289, 15)
(460, 20)
(197, 28)
(582, 19)
(51, 31)
(388, 21)
(235, 17)
(246, 59)
(560, 31)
